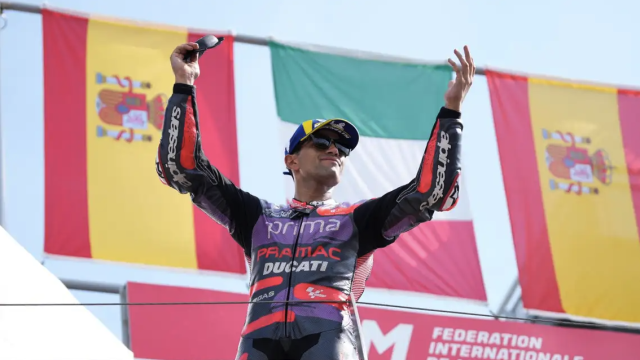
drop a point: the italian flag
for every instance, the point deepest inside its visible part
(394, 105)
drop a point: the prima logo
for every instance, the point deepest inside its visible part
(309, 226)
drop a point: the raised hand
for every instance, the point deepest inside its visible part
(185, 72)
(459, 87)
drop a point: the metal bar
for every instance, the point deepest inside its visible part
(358, 328)
(124, 316)
(518, 308)
(253, 40)
(240, 38)
(508, 296)
(95, 286)
(22, 7)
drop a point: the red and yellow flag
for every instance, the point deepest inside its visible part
(106, 87)
(571, 164)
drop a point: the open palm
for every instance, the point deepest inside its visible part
(459, 87)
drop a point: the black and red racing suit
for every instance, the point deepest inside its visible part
(305, 251)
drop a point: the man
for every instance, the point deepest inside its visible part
(313, 248)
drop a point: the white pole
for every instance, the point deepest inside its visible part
(3, 23)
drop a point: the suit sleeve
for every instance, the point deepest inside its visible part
(435, 188)
(182, 165)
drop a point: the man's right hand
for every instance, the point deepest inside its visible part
(185, 72)
(459, 87)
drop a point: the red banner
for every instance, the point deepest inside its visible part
(447, 246)
(178, 332)
(211, 332)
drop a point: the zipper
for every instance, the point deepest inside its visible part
(293, 257)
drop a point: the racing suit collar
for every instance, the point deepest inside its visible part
(297, 204)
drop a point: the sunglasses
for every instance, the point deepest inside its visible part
(323, 143)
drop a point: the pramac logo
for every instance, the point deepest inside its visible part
(576, 168)
(124, 111)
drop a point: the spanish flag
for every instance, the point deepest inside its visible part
(106, 85)
(571, 164)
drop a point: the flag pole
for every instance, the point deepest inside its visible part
(3, 23)
(250, 39)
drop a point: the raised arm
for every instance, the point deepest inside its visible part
(435, 186)
(182, 165)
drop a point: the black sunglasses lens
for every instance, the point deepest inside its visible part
(324, 143)
(321, 143)
(343, 149)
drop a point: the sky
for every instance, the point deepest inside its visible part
(588, 40)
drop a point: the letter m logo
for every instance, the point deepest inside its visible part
(397, 340)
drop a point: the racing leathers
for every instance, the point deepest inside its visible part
(305, 251)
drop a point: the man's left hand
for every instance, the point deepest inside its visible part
(459, 87)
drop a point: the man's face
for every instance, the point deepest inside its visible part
(323, 165)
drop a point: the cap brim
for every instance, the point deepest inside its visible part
(342, 127)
